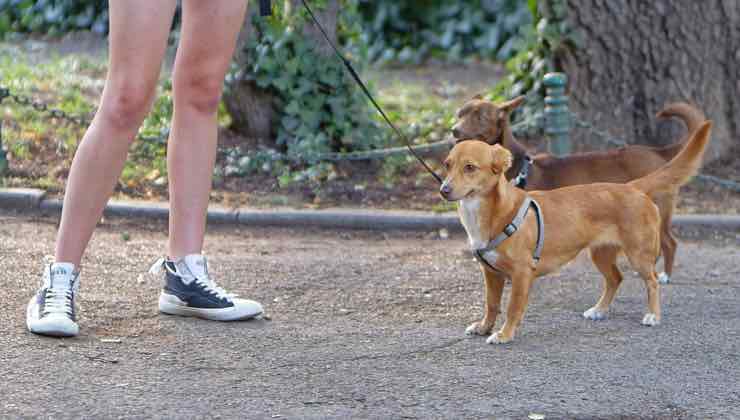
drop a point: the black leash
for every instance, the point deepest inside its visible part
(354, 74)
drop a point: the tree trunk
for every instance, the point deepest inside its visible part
(637, 55)
(252, 108)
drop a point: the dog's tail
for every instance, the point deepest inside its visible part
(681, 168)
(689, 114)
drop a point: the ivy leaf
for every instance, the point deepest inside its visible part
(293, 108)
(283, 82)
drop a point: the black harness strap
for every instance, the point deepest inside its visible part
(521, 179)
(364, 88)
(488, 255)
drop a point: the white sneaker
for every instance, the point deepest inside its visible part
(52, 310)
(190, 291)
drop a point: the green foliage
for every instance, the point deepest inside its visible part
(40, 148)
(320, 108)
(539, 45)
(411, 31)
(53, 16)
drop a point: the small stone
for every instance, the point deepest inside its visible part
(444, 233)
(714, 273)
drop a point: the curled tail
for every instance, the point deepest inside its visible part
(681, 168)
(689, 114)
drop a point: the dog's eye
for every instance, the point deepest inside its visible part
(446, 165)
(469, 168)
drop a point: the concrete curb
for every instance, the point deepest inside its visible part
(32, 200)
(20, 198)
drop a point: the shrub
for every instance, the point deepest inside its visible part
(320, 108)
(53, 16)
(411, 31)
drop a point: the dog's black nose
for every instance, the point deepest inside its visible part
(445, 190)
(456, 132)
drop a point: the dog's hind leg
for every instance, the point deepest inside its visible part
(605, 259)
(668, 243)
(494, 290)
(652, 317)
(643, 261)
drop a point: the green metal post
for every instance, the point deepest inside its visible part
(557, 116)
(3, 156)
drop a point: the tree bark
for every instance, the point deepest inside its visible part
(251, 107)
(639, 55)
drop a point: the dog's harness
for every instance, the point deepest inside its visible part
(488, 255)
(521, 179)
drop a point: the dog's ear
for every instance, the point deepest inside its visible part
(511, 105)
(500, 159)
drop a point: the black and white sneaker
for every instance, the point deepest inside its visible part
(189, 291)
(52, 310)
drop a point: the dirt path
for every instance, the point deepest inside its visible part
(364, 325)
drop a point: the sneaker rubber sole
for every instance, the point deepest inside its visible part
(243, 309)
(53, 326)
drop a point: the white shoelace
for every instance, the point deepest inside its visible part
(208, 284)
(58, 301)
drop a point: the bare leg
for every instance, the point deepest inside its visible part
(208, 38)
(494, 290)
(138, 39)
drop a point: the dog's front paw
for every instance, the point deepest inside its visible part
(650, 320)
(498, 338)
(477, 328)
(595, 314)
(663, 278)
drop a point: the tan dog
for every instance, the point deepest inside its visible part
(608, 219)
(489, 122)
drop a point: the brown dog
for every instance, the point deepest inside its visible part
(489, 122)
(608, 219)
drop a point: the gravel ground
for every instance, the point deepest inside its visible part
(364, 325)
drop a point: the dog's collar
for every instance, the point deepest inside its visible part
(521, 179)
(488, 255)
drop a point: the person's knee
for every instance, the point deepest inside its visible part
(198, 91)
(127, 105)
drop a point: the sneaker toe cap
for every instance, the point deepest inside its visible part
(248, 308)
(57, 326)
